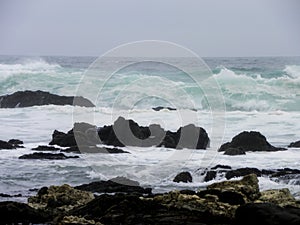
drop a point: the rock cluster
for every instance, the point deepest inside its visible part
(227, 203)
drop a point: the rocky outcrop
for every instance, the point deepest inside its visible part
(128, 133)
(247, 187)
(46, 148)
(41, 155)
(20, 213)
(294, 144)
(61, 198)
(184, 177)
(267, 214)
(250, 141)
(11, 144)
(115, 185)
(37, 98)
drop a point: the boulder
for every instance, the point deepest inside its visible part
(242, 172)
(20, 213)
(15, 142)
(210, 175)
(118, 184)
(250, 141)
(247, 187)
(281, 197)
(61, 198)
(294, 144)
(184, 177)
(37, 98)
(41, 155)
(267, 214)
(234, 151)
(6, 145)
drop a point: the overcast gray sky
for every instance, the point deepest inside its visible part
(208, 27)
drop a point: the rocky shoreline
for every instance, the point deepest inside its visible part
(229, 202)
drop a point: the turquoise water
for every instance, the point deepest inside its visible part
(247, 84)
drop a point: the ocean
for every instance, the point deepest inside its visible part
(261, 94)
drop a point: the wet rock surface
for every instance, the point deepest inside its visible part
(11, 144)
(249, 141)
(184, 177)
(49, 156)
(128, 133)
(37, 98)
(294, 144)
(226, 203)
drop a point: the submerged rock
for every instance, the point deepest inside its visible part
(159, 108)
(250, 141)
(242, 172)
(41, 155)
(184, 177)
(37, 98)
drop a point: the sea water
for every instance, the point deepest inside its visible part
(260, 94)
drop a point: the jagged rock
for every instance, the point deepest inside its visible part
(210, 175)
(294, 144)
(71, 220)
(234, 151)
(35, 98)
(250, 141)
(62, 198)
(281, 197)
(41, 155)
(267, 214)
(247, 187)
(118, 184)
(172, 208)
(6, 145)
(184, 177)
(242, 172)
(20, 213)
(45, 148)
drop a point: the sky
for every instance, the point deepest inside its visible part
(211, 28)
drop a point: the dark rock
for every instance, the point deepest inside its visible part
(15, 213)
(119, 184)
(242, 172)
(189, 136)
(250, 141)
(93, 149)
(33, 98)
(234, 151)
(62, 139)
(6, 145)
(41, 155)
(267, 214)
(187, 192)
(221, 167)
(158, 108)
(184, 177)
(295, 144)
(284, 172)
(210, 175)
(9, 196)
(131, 209)
(15, 142)
(45, 148)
